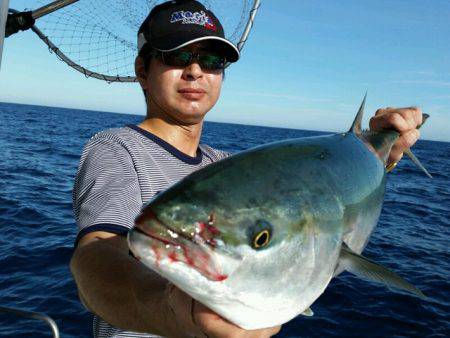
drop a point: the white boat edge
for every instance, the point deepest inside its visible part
(4, 6)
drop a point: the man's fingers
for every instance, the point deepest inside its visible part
(389, 120)
(197, 320)
(400, 119)
(403, 120)
(404, 142)
(413, 116)
(274, 330)
(408, 139)
(214, 326)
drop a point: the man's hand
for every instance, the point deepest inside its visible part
(403, 120)
(196, 320)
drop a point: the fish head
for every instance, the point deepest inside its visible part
(212, 240)
(173, 232)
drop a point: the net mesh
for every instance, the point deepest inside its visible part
(101, 36)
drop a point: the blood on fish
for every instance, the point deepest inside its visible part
(212, 242)
(189, 260)
(220, 277)
(173, 256)
(201, 227)
(157, 254)
(212, 229)
(207, 232)
(197, 258)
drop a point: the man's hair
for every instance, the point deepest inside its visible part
(146, 54)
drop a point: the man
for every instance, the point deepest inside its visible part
(182, 52)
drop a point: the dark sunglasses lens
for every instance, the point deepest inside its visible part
(178, 58)
(184, 58)
(211, 61)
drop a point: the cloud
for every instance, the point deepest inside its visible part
(283, 96)
(424, 82)
(430, 73)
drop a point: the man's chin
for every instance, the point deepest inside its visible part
(189, 117)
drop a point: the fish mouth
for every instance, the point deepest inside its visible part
(155, 242)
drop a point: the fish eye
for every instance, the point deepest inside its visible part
(261, 239)
(260, 234)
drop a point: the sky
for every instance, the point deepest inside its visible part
(307, 65)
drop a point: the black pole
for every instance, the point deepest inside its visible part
(51, 7)
(28, 314)
(20, 21)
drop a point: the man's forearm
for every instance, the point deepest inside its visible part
(118, 288)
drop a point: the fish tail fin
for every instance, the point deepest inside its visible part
(417, 162)
(413, 158)
(381, 142)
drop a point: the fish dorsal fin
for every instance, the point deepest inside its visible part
(379, 142)
(365, 268)
(356, 126)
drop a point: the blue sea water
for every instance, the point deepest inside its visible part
(39, 153)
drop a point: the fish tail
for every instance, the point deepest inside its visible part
(413, 158)
(381, 142)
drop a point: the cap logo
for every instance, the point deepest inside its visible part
(197, 18)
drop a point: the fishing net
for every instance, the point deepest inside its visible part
(98, 38)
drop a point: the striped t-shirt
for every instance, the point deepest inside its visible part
(120, 170)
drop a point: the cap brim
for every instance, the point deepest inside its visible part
(231, 52)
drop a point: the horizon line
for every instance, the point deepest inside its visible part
(234, 122)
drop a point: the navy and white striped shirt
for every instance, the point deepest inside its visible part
(120, 170)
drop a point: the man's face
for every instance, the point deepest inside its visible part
(182, 94)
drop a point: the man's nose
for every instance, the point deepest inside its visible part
(192, 72)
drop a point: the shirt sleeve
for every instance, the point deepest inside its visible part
(106, 194)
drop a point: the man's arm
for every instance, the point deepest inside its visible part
(118, 288)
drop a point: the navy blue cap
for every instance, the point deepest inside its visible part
(178, 23)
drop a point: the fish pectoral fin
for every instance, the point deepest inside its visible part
(308, 312)
(365, 268)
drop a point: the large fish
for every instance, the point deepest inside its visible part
(258, 236)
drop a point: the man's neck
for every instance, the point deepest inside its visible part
(184, 138)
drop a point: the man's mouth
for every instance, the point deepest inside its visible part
(192, 90)
(192, 93)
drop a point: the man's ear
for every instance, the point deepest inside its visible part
(141, 74)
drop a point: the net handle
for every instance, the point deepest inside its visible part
(248, 27)
(4, 4)
(108, 78)
(33, 315)
(51, 7)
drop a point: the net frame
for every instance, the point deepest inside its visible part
(4, 4)
(109, 78)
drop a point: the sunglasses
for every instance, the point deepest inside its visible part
(183, 58)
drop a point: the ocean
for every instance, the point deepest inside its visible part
(39, 153)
